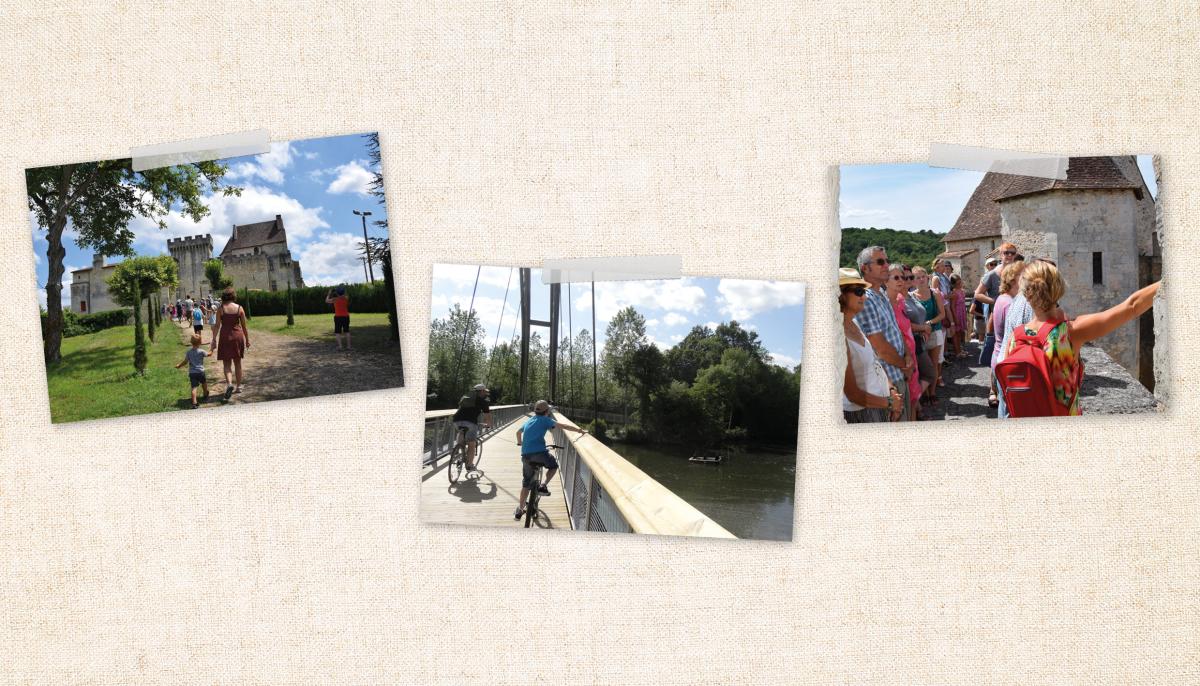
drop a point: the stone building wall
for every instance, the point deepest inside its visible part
(89, 286)
(970, 267)
(1068, 227)
(191, 253)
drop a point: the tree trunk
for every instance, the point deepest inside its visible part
(139, 336)
(55, 253)
(150, 317)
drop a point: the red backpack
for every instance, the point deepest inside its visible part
(1024, 376)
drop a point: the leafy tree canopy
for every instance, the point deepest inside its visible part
(907, 247)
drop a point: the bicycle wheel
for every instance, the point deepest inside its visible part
(534, 497)
(478, 453)
(455, 467)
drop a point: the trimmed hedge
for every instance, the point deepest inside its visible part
(364, 297)
(79, 325)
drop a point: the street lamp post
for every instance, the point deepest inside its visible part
(367, 244)
(364, 261)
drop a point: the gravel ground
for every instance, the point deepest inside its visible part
(1107, 388)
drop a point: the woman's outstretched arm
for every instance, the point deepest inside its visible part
(1089, 327)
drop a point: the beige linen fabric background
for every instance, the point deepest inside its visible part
(292, 553)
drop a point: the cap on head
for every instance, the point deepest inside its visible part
(341, 290)
(480, 387)
(541, 407)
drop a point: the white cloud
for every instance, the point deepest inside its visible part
(352, 177)
(256, 204)
(331, 259)
(613, 296)
(309, 155)
(651, 322)
(268, 166)
(494, 314)
(742, 299)
(464, 274)
(785, 360)
(674, 319)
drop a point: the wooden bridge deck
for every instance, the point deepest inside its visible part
(489, 498)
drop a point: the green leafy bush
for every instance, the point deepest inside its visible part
(364, 297)
(598, 428)
(79, 325)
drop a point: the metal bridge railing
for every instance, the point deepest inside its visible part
(583, 414)
(605, 492)
(439, 429)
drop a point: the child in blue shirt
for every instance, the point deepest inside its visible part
(532, 439)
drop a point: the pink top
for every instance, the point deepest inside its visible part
(998, 311)
(914, 381)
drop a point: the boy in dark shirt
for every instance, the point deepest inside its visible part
(194, 359)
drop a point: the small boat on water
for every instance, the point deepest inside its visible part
(709, 459)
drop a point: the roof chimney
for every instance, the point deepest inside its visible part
(234, 236)
(97, 260)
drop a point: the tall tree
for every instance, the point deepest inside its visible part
(139, 278)
(456, 355)
(626, 332)
(98, 200)
(214, 271)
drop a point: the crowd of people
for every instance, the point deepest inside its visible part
(903, 324)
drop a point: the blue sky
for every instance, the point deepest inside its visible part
(314, 184)
(911, 197)
(774, 309)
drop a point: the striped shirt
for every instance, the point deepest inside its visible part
(878, 316)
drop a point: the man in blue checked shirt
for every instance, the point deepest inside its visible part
(878, 322)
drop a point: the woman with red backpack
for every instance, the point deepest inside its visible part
(1041, 372)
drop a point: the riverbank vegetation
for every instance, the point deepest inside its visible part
(716, 385)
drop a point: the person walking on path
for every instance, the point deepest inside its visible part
(231, 340)
(194, 359)
(341, 315)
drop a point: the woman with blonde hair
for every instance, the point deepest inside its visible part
(935, 312)
(1043, 286)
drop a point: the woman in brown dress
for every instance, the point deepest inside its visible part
(231, 339)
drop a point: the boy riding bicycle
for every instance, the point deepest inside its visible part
(532, 439)
(467, 417)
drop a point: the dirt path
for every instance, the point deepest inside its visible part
(277, 367)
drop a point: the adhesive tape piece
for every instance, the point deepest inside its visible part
(639, 268)
(200, 149)
(1000, 161)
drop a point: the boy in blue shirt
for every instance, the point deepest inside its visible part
(532, 439)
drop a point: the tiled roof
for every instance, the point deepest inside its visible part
(981, 216)
(1083, 173)
(251, 235)
(956, 253)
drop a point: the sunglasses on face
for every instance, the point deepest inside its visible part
(1010, 252)
(881, 261)
(897, 277)
(857, 290)
(909, 277)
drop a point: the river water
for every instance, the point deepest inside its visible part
(751, 493)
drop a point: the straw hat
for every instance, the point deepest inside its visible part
(848, 276)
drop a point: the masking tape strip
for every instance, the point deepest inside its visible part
(1000, 161)
(200, 149)
(638, 268)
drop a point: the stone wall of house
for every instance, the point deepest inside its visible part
(89, 287)
(1162, 386)
(1146, 208)
(1069, 227)
(971, 266)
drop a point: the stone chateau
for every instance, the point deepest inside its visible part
(256, 257)
(1098, 225)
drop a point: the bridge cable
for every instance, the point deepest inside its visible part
(466, 328)
(595, 396)
(503, 309)
(570, 346)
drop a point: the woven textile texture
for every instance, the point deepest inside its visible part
(922, 554)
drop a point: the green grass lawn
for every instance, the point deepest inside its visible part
(368, 330)
(95, 377)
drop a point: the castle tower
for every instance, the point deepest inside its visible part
(191, 253)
